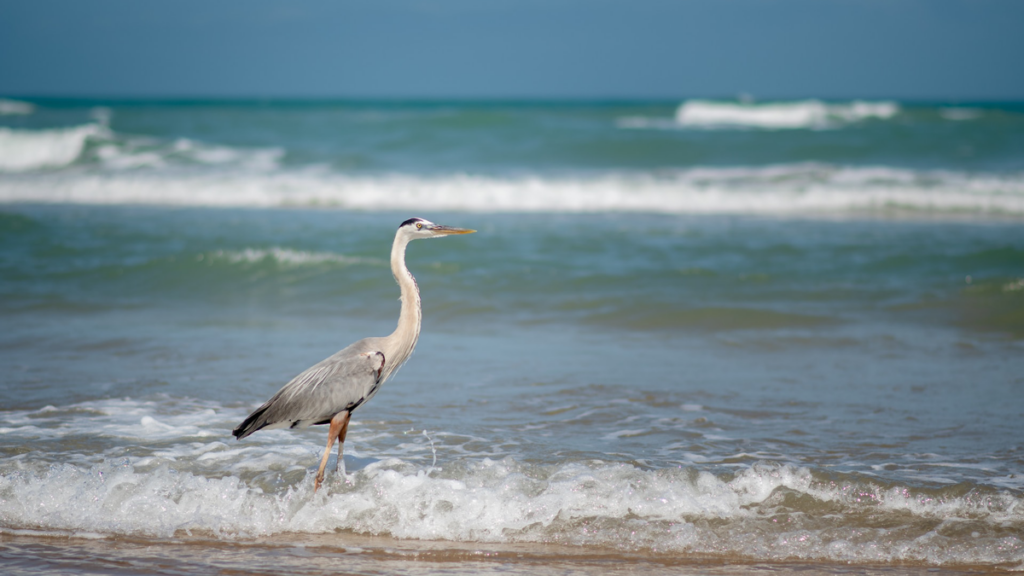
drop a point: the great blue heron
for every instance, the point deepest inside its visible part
(329, 391)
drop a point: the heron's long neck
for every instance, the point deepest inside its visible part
(404, 338)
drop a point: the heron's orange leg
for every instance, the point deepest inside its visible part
(339, 425)
(341, 444)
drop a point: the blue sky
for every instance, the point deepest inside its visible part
(912, 49)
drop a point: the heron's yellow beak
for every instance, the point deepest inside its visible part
(448, 230)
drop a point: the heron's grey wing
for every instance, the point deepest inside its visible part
(341, 382)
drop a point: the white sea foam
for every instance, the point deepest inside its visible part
(257, 159)
(96, 145)
(10, 107)
(287, 257)
(960, 113)
(813, 114)
(172, 468)
(803, 114)
(592, 504)
(22, 150)
(806, 189)
(135, 153)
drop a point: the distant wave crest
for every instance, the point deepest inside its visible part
(95, 145)
(803, 114)
(285, 257)
(10, 107)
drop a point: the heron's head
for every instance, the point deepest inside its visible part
(417, 228)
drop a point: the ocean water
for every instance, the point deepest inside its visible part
(700, 336)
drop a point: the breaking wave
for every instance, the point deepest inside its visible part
(23, 150)
(783, 189)
(184, 476)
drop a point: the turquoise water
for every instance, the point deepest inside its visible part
(673, 335)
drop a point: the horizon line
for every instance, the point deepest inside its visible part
(487, 100)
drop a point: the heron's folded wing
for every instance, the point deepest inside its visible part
(338, 383)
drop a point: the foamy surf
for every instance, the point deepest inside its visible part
(170, 470)
(764, 512)
(798, 189)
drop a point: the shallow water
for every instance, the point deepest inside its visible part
(649, 389)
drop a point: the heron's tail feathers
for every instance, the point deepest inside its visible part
(254, 422)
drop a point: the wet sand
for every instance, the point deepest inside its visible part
(345, 553)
